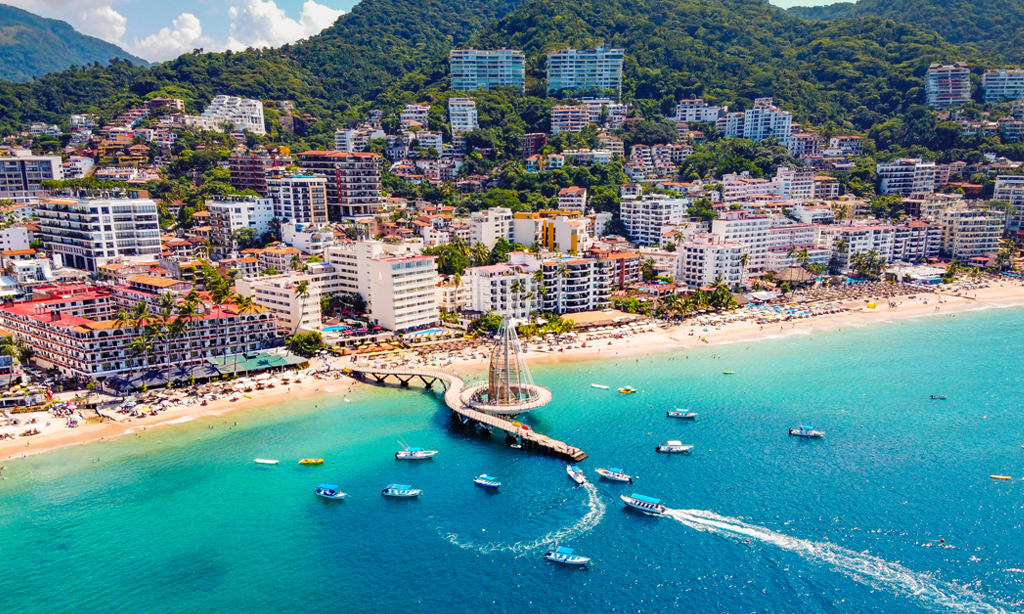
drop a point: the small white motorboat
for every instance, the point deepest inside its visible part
(615, 474)
(267, 461)
(673, 447)
(329, 491)
(647, 505)
(806, 431)
(414, 453)
(599, 386)
(486, 481)
(400, 490)
(576, 475)
(565, 556)
(685, 415)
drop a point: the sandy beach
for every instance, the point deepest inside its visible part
(1000, 294)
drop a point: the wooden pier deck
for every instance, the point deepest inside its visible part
(454, 387)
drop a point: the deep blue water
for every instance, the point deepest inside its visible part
(761, 522)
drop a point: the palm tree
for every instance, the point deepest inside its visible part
(122, 319)
(140, 314)
(647, 269)
(220, 294)
(480, 254)
(301, 291)
(295, 263)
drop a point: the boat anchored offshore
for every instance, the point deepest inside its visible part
(400, 490)
(329, 491)
(311, 461)
(685, 415)
(576, 475)
(599, 386)
(807, 431)
(627, 390)
(267, 461)
(728, 373)
(674, 447)
(615, 474)
(414, 453)
(486, 481)
(648, 505)
(939, 397)
(565, 556)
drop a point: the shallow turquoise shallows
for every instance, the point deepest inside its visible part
(759, 521)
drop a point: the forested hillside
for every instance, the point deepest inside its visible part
(31, 46)
(993, 26)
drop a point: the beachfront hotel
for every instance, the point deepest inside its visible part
(75, 333)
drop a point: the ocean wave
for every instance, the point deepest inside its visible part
(871, 570)
(584, 525)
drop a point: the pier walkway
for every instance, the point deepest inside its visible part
(454, 387)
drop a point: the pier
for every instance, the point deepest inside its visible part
(462, 404)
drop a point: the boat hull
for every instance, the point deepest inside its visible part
(576, 476)
(566, 560)
(681, 415)
(415, 455)
(615, 477)
(673, 449)
(401, 494)
(336, 497)
(806, 434)
(647, 508)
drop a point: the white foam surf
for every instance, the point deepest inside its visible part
(871, 570)
(584, 525)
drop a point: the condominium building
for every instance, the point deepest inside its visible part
(564, 234)
(14, 238)
(588, 157)
(578, 70)
(475, 69)
(696, 110)
(230, 216)
(507, 289)
(569, 118)
(606, 112)
(21, 177)
(298, 197)
(851, 238)
(792, 184)
(353, 180)
(414, 115)
(916, 240)
(703, 259)
(645, 217)
(763, 121)
(1010, 188)
(847, 145)
(462, 115)
(738, 188)
(293, 311)
(749, 231)
(85, 234)
(488, 226)
(906, 176)
(573, 285)
(532, 143)
(402, 296)
(805, 145)
(231, 112)
(573, 198)
(968, 233)
(310, 238)
(249, 170)
(947, 85)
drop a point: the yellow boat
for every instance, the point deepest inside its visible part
(627, 390)
(1000, 477)
(728, 373)
(311, 461)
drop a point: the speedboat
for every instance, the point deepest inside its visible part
(565, 556)
(599, 386)
(266, 461)
(615, 474)
(685, 415)
(414, 453)
(939, 397)
(311, 461)
(486, 481)
(648, 505)
(627, 390)
(576, 475)
(400, 490)
(807, 431)
(728, 373)
(329, 491)
(674, 447)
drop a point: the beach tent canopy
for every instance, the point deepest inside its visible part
(796, 274)
(254, 361)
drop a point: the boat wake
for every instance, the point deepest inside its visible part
(864, 568)
(584, 525)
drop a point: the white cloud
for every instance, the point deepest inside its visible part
(186, 35)
(93, 17)
(261, 23)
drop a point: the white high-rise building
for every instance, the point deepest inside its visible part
(488, 226)
(749, 231)
(906, 176)
(703, 258)
(569, 118)
(462, 115)
(414, 114)
(1010, 188)
(947, 85)
(1003, 85)
(237, 113)
(227, 217)
(85, 234)
(763, 121)
(968, 233)
(509, 290)
(792, 184)
(299, 197)
(696, 110)
(475, 69)
(575, 70)
(21, 177)
(646, 217)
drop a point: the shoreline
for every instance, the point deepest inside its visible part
(1000, 295)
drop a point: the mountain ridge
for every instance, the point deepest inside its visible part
(33, 46)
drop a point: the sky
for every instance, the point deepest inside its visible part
(158, 31)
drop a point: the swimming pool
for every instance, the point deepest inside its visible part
(335, 329)
(432, 331)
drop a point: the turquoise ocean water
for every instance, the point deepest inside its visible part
(761, 522)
